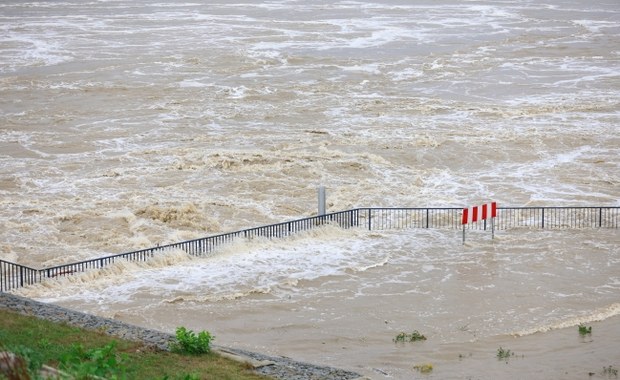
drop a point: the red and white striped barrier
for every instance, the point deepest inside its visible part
(476, 213)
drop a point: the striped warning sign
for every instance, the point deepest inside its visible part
(476, 213)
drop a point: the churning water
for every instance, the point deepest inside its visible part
(127, 124)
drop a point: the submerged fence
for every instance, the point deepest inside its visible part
(13, 276)
(507, 218)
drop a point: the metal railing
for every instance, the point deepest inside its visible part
(13, 276)
(507, 218)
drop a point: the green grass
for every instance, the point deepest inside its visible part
(50, 343)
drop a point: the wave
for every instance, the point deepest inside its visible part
(364, 268)
(218, 297)
(242, 268)
(185, 216)
(116, 272)
(597, 315)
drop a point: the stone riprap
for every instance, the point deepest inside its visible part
(276, 367)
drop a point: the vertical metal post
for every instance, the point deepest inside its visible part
(463, 234)
(543, 218)
(600, 217)
(492, 228)
(321, 200)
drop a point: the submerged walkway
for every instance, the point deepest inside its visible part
(13, 275)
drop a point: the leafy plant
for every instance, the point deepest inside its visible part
(413, 337)
(98, 362)
(504, 354)
(584, 330)
(424, 368)
(190, 343)
(44, 343)
(189, 376)
(610, 371)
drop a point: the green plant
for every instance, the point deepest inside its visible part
(191, 377)
(610, 371)
(413, 337)
(97, 362)
(424, 368)
(44, 344)
(190, 343)
(504, 354)
(584, 330)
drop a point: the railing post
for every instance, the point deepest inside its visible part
(321, 200)
(369, 220)
(427, 211)
(543, 218)
(600, 217)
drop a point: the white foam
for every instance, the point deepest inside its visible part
(191, 83)
(239, 269)
(597, 315)
(597, 26)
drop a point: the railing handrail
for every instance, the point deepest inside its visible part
(17, 265)
(13, 275)
(19, 274)
(498, 207)
(177, 244)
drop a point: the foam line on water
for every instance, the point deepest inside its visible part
(597, 315)
(241, 268)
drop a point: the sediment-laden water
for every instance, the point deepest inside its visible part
(131, 124)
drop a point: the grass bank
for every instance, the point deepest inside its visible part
(51, 343)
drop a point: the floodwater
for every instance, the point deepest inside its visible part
(127, 124)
